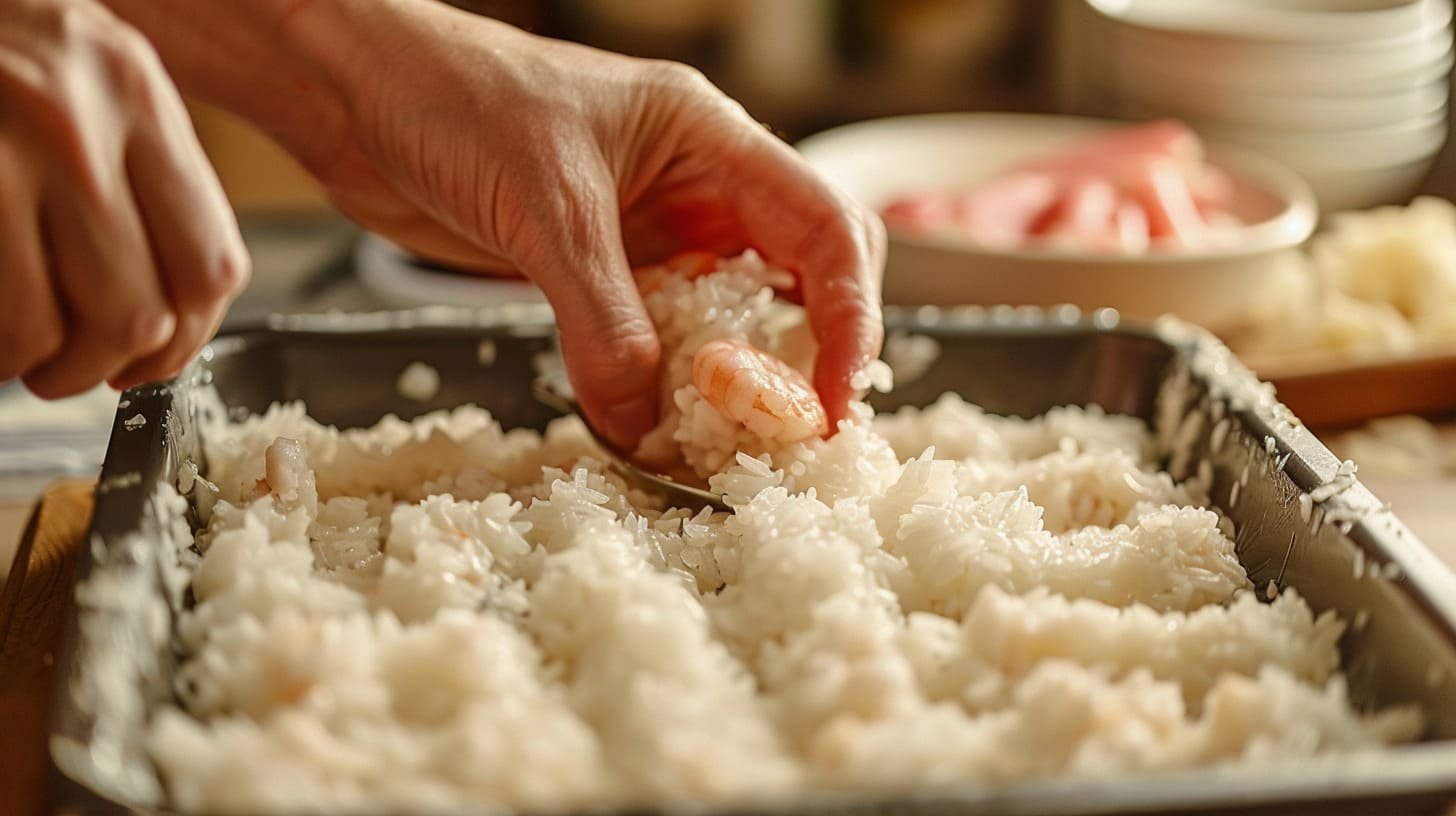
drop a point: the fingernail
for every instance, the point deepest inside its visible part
(626, 422)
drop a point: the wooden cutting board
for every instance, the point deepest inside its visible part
(1337, 393)
(33, 608)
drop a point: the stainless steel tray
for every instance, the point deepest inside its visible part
(1205, 406)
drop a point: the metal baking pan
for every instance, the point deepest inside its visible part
(119, 656)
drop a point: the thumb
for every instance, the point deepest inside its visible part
(609, 344)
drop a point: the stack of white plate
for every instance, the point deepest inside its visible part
(1351, 94)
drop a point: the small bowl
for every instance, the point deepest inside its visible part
(1294, 21)
(1218, 288)
(1359, 188)
(1137, 71)
(1286, 111)
(1285, 65)
(1386, 146)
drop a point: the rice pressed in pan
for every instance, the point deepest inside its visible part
(445, 615)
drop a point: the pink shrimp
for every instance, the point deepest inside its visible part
(758, 391)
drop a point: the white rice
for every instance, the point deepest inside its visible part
(419, 382)
(444, 615)
(910, 356)
(1405, 447)
(1376, 283)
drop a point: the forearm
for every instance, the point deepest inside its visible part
(234, 54)
(295, 68)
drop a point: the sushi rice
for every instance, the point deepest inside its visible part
(445, 615)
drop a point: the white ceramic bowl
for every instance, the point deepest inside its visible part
(1293, 21)
(1287, 111)
(1286, 65)
(1359, 188)
(1137, 71)
(1222, 289)
(1395, 144)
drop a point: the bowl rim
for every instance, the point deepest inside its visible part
(1133, 69)
(1331, 26)
(1136, 31)
(1431, 121)
(1426, 140)
(1426, 98)
(1286, 229)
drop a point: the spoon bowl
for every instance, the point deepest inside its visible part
(677, 493)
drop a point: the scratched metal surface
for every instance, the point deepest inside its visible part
(1013, 362)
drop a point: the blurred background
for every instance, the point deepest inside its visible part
(799, 65)
(1359, 111)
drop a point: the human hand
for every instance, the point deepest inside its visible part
(474, 143)
(118, 252)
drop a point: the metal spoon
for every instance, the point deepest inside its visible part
(677, 493)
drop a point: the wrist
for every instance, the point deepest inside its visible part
(356, 43)
(229, 53)
(366, 54)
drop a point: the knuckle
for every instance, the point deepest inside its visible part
(25, 346)
(147, 328)
(582, 220)
(69, 23)
(626, 350)
(687, 77)
(682, 77)
(56, 380)
(127, 52)
(45, 341)
(31, 330)
(48, 387)
(133, 66)
(123, 330)
(223, 277)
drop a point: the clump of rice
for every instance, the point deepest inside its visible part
(1376, 283)
(419, 382)
(1400, 447)
(446, 615)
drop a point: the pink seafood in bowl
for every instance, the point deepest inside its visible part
(1129, 191)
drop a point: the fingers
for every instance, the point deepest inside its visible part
(573, 251)
(844, 310)
(119, 252)
(192, 234)
(836, 248)
(103, 272)
(31, 329)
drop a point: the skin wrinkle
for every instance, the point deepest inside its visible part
(468, 141)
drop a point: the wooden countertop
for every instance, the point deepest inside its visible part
(33, 606)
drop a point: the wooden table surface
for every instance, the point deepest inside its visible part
(36, 598)
(33, 607)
